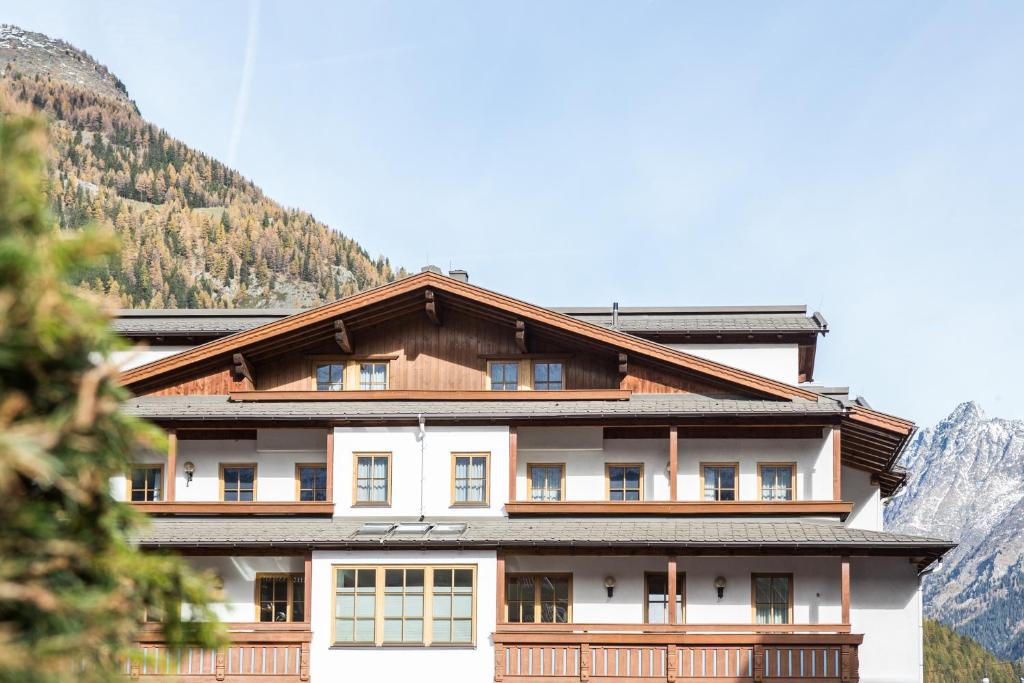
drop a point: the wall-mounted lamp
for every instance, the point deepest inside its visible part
(609, 584)
(190, 469)
(720, 586)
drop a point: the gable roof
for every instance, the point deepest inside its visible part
(481, 299)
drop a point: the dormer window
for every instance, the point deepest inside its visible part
(547, 376)
(330, 377)
(504, 375)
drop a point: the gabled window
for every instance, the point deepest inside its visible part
(238, 483)
(311, 481)
(469, 478)
(656, 598)
(538, 598)
(373, 376)
(281, 597)
(545, 482)
(503, 375)
(146, 483)
(625, 482)
(772, 598)
(720, 481)
(547, 376)
(372, 480)
(330, 377)
(778, 480)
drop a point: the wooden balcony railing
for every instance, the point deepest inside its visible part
(593, 652)
(258, 653)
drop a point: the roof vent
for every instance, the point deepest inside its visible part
(430, 269)
(460, 275)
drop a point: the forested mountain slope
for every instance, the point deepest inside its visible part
(195, 233)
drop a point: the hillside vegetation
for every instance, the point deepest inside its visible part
(195, 233)
(952, 658)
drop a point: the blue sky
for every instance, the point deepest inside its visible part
(862, 158)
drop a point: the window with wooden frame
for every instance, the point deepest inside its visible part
(624, 481)
(280, 597)
(503, 375)
(371, 479)
(777, 480)
(329, 376)
(146, 483)
(373, 376)
(548, 376)
(238, 483)
(656, 598)
(771, 597)
(405, 605)
(719, 481)
(538, 598)
(469, 478)
(311, 482)
(545, 481)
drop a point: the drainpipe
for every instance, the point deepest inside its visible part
(422, 436)
(920, 616)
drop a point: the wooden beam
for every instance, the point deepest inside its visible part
(221, 508)
(845, 580)
(673, 463)
(307, 573)
(433, 307)
(499, 589)
(513, 447)
(652, 508)
(623, 364)
(671, 589)
(242, 370)
(434, 395)
(341, 336)
(329, 474)
(521, 337)
(172, 463)
(837, 465)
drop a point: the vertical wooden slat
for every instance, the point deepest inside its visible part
(307, 573)
(330, 469)
(172, 464)
(499, 590)
(837, 487)
(845, 580)
(673, 463)
(585, 662)
(513, 454)
(672, 588)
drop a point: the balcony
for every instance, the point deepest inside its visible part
(258, 652)
(553, 653)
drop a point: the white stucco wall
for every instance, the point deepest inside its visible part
(239, 576)
(404, 446)
(142, 354)
(885, 606)
(778, 361)
(813, 458)
(461, 664)
(867, 500)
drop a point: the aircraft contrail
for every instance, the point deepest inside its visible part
(242, 101)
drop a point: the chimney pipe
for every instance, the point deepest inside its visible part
(615, 315)
(460, 275)
(430, 269)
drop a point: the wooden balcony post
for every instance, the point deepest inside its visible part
(172, 463)
(513, 447)
(499, 589)
(585, 662)
(845, 584)
(671, 661)
(136, 669)
(221, 665)
(672, 589)
(837, 466)
(845, 662)
(307, 572)
(304, 659)
(499, 662)
(330, 465)
(673, 463)
(758, 663)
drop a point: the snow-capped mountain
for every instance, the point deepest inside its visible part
(966, 483)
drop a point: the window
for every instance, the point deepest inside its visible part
(373, 376)
(281, 597)
(311, 481)
(397, 605)
(355, 605)
(538, 598)
(547, 376)
(625, 482)
(656, 599)
(469, 478)
(719, 480)
(772, 595)
(146, 483)
(778, 480)
(238, 483)
(545, 482)
(504, 376)
(372, 479)
(330, 377)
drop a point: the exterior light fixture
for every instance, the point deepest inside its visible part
(720, 586)
(609, 583)
(190, 469)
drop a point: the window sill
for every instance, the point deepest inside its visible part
(371, 505)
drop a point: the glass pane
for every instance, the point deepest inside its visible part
(365, 605)
(364, 631)
(393, 579)
(632, 477)
(616, 476)
(442, 607)
(343, 631)
(346, 578)
(413, 630)
(464, 579)
(727, 478)
(367, 578)
(414, 578)
(393, 605)
(762, 589)
(462, 631)
(617, 495)
(442, 580)
(299, 611)
(414, 605)
(442, 631)
(344, 605)
(462, 606)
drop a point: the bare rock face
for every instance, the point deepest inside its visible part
(33, 53)
(966, 483)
